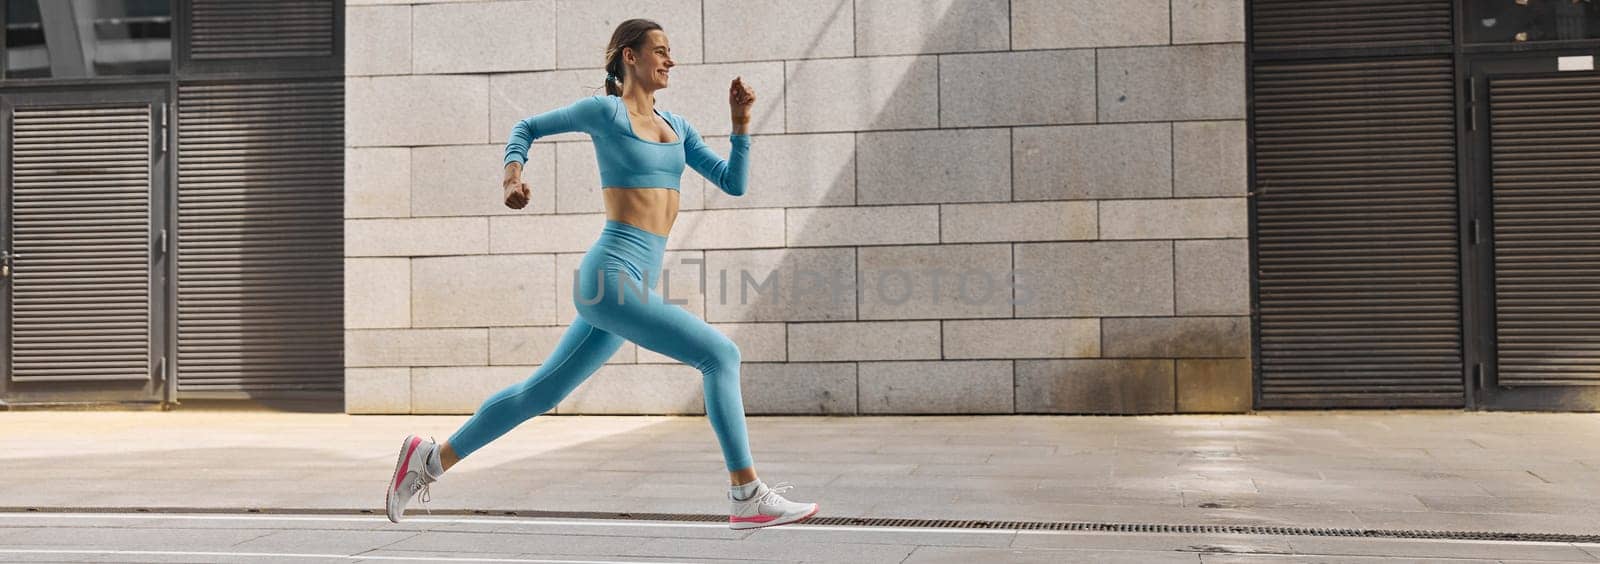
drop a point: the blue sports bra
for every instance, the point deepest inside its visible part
(627, 161)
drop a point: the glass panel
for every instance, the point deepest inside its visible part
(1517, 21)
(87, 38)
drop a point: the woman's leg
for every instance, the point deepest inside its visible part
(670, 330)
(582, 350)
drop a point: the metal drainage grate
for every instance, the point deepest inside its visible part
(970, 524)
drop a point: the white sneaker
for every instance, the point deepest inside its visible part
(410, 475)
(768, 509)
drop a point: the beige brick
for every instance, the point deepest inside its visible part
(1213, 277)
(377, 182)
(781, 285)
(932, 167)
(484, 36)
(377, 40)
(755, 30)
(1196, 337)
(544, 233)
(866, 225)
(377, 293)
(937, 387)
(1215, 386)
(934, 282)
(1210, 159)
(727, 229)
(1070, 24)
(578, 187)
(518, 96)
(870, 340)
(693, 189)
(1174, 219)
(639, 389)
(415, 237)
(416, 347)
(415, 110)
(465, 180)
(799, 388)
(1207, 21)
(566, 275)
(377, 390)
(586, 27)
(527, 346)
(699, 93)
(1020, 221)
(1094, 161)
(990, 89)
(1022, 338)
(757, 342)
(899, 27)
(1199, 82)
(483, 291)
(1094, 279)
(1095, 386)
(863, 93)
(460, 390)
(794, 171)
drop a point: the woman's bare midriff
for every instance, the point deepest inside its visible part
(650, 209)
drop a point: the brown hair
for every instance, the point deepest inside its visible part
(629, 34)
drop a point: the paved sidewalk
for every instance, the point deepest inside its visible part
(1505, 472)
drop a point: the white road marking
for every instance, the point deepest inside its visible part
(317, 556)
(626, 523)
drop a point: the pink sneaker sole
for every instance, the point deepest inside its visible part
(747, 525)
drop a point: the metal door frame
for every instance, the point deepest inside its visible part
(160, 386)
(1475, 169)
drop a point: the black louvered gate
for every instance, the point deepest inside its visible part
(260, 230)
(260, 238)
(1356, 234)
(1355, 202)
(1535, 140)
(230, 30)
(84, 256)
(1289, 26)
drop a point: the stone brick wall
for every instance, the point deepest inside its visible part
(1095, 147)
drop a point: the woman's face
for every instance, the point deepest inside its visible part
(652, 62)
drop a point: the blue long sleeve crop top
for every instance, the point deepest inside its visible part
(626, 160)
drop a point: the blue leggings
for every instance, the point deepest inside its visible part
(616, 301)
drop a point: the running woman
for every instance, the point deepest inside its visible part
(642, 152)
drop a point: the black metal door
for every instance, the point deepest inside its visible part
(85, 259)
(1532, 200)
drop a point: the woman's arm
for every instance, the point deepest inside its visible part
(583, 115)
(732, 174)
(729, 175)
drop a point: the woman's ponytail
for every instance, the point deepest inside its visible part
(632, 34)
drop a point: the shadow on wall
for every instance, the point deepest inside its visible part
(853, 162)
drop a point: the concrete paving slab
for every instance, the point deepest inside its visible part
(126, 539)
(1426, 469)
(948, 555)
(773, 547)
(1555, 552)
(1319, 559)
(1087, 540)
